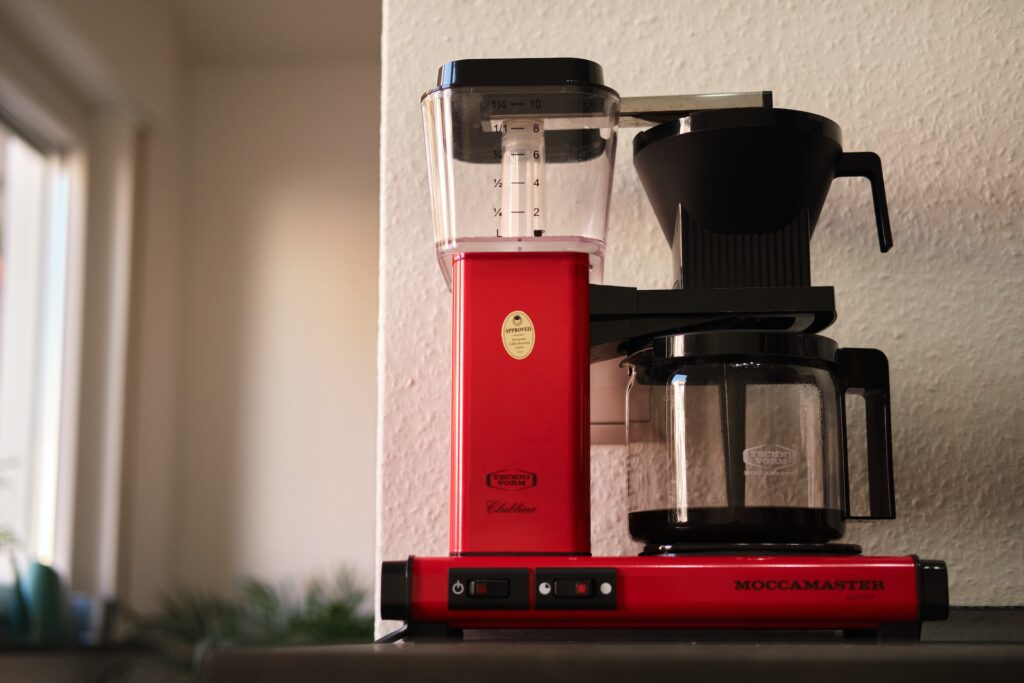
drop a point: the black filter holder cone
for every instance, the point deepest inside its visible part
(738, 192)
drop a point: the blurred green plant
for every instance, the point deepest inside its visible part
(7, 538)
(191, 623)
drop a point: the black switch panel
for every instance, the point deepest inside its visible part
(579, 588)
(488, 589)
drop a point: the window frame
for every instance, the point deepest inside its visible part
(94, 126)
(64, 161)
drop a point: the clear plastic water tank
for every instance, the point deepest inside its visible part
(521, 155)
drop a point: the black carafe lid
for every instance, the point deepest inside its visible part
(744, 343)
(747, 549)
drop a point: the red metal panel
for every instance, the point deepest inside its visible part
(520, 439)
(697, 592)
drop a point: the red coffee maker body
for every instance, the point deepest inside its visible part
(520, 468)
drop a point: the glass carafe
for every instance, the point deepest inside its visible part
(739, 437)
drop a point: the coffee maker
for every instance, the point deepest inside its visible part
(736, 428)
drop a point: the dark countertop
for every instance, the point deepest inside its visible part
(974, 644)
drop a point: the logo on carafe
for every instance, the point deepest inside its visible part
(769, 459)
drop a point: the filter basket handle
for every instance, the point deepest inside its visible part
(868, 165)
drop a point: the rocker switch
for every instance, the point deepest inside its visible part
(574, 588)
(489, 588)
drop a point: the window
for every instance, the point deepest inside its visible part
(34, 233)
(67, 168)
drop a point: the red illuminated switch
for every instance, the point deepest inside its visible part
(488, 588)
(574, 588)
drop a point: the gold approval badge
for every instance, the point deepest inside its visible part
(518, 335)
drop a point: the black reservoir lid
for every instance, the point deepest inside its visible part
(552, 87)
(514, 72)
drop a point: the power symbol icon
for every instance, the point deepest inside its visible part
(458, 588)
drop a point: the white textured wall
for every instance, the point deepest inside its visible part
(935, 88)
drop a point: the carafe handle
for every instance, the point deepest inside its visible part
(866, 372)
(868, 165)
